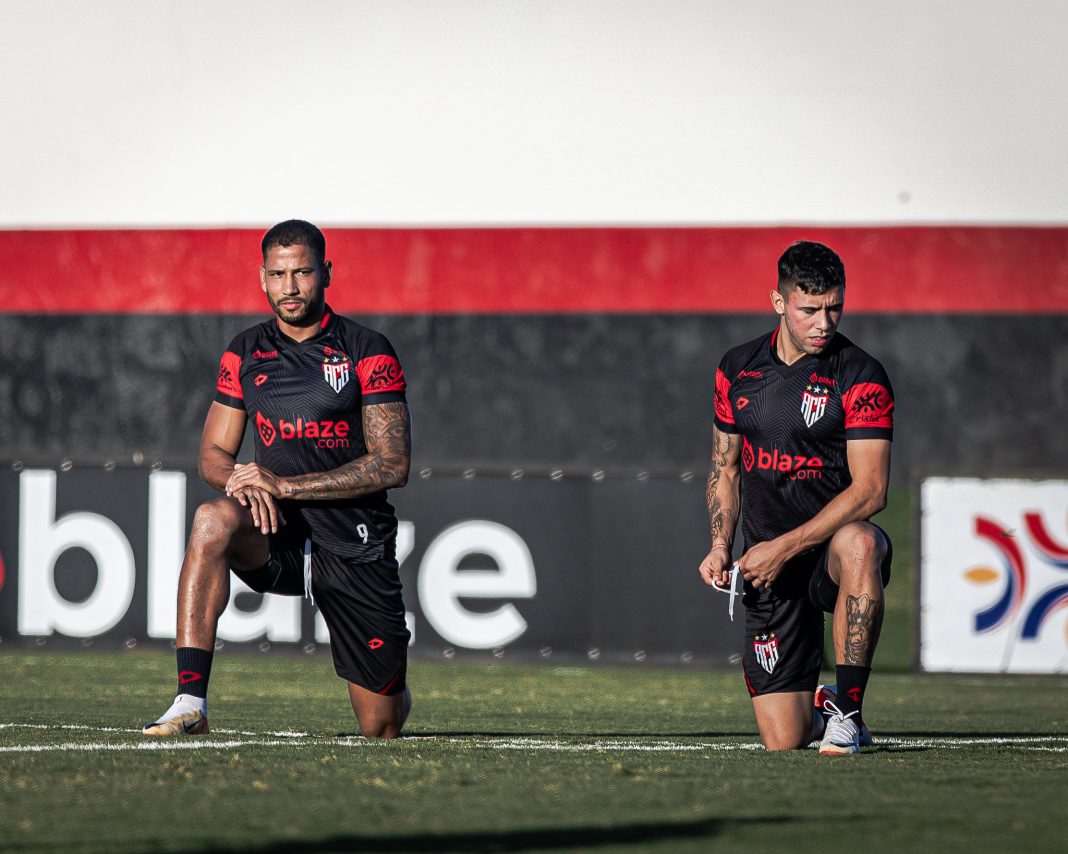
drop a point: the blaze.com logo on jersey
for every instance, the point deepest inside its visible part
(795, 466)
(326, 434)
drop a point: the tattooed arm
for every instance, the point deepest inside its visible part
(387, 434)
(723, 497)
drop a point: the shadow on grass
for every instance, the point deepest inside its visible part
(483, 733)
(512, 840)
(990, 733)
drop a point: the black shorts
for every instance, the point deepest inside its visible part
(784, 623)
(360, 603)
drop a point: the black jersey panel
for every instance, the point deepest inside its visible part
(385, 397)
(305, 400)
(793, 422)
(229, 400)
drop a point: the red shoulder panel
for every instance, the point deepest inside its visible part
(380, 374)
(230, 375)
(868, 405)
(724, 412)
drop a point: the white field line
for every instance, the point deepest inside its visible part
(1049, 744)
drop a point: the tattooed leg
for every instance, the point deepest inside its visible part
(864, 617)
(854, 563)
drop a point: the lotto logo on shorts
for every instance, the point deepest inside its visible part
(766, 648)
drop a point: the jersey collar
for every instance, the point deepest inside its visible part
(326, 325)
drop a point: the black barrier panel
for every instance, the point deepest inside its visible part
(95, 557)
(537, 567)
(582, 392)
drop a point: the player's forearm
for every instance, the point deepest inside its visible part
(722, 496)
(370, 473)
(215, 466)
(384, 466)
(854, 504)
(723, 491)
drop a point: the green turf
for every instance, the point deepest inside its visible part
(514, 758)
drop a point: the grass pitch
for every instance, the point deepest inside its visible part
(514, 758)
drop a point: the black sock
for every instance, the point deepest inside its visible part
(194, 668)
(852, 682)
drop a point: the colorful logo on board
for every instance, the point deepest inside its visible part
(1013, 576)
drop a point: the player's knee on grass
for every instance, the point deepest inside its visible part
(784, 720)
(380, 729)
(792, 738)
(380, 726)
(378, 716)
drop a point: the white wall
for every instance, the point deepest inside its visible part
(427, 112)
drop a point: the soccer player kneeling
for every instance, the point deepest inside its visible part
(326, 397)
(801, 450)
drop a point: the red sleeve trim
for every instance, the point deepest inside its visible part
(868, 405)
(380, 374)
(229, 382)
(724, 411)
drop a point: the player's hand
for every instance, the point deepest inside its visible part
(252, 475)
(715, 569)
(265, 513)
(762, 564)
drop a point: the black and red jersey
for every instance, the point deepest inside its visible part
(794, 421)
(305, 401)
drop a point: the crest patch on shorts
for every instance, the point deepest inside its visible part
(766, 649)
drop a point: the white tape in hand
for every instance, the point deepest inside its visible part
(732, 591)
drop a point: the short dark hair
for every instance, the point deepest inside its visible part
(294, 232)
(812, 267)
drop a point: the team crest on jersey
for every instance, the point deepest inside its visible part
(814, 403)
(337, 368)
(766, 648)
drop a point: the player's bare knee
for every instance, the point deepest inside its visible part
(859, 549)
(215, 522)
(381, 729)
(778, 742)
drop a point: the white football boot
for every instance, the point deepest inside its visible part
(186, 716)
(821, 714)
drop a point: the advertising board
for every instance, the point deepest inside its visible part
(994, 575)
(540, 566)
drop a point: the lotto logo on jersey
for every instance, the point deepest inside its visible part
(766, 650)
(814, 403)
(336, 368)
(795, 466)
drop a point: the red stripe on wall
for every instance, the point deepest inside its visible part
(554, 270)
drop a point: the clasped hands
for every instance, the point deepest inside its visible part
(257, 488)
